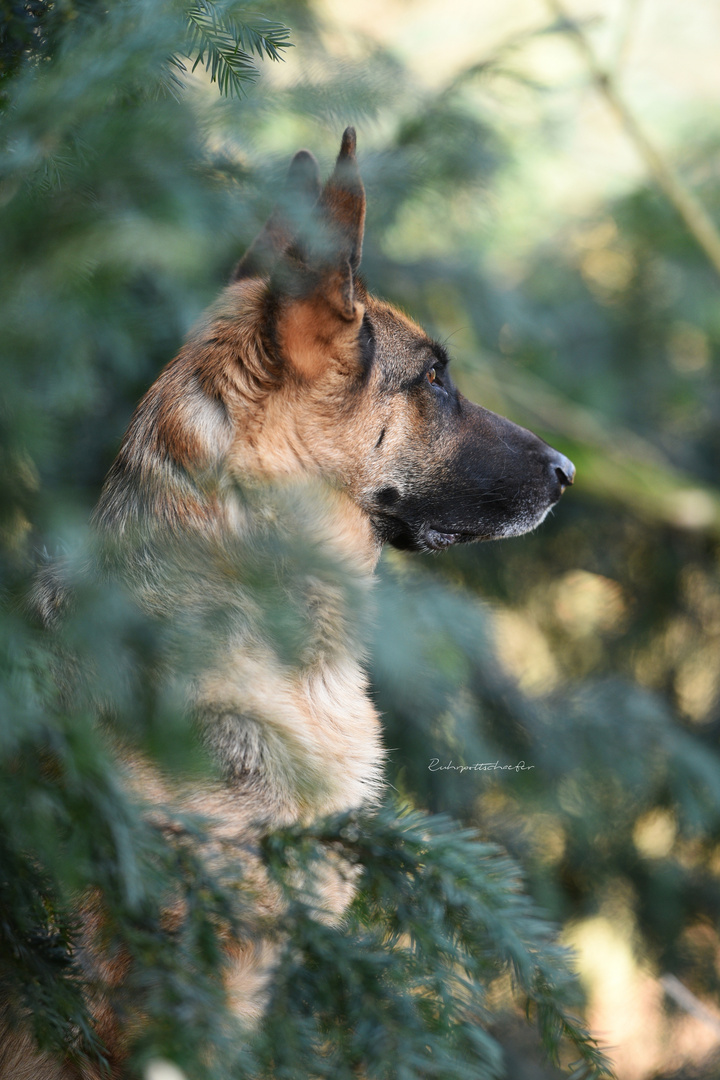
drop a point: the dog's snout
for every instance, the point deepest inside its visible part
(564, 469)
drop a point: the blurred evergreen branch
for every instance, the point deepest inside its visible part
(224, 36)
(110, 209)
(402, 991)
(31, 29)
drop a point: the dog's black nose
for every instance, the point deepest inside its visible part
(564, 470)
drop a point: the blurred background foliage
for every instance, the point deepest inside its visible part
(506, 214)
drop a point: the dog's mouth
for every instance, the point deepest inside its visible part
(406, 537)
(436, 521)
(420, 536)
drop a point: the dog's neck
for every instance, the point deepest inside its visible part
(314, 514)
(353, 536)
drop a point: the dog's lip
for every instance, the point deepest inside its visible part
(424, 537)
(438, 540)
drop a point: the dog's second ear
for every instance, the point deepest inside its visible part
(325, 255)
(321, 310)
(289, 219)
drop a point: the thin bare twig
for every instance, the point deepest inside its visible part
(626, 29)
(687, 1001)
(690, 209)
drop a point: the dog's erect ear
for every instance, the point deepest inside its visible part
(326, 254)
(320, 312)
(289, 218)
(342, 203)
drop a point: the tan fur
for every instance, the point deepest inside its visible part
(306, 333)
(277, 415)
(20, 1060)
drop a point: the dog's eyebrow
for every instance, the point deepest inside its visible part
(439, 352)
(426, 345)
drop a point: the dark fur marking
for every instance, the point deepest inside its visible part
(366, 341)
(387, 496)
(268, 332)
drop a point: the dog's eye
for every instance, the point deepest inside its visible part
(435, 376)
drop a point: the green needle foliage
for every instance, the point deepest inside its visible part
(227, 41)
(402, 989)
(122, 209)
(226, 37)
(112, 213)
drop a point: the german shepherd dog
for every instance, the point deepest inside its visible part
(298, 375)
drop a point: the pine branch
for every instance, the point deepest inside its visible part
(438, 917)
(227, 46)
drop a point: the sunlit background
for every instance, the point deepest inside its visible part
(518, 207)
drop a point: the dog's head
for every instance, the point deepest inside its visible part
(365, 398)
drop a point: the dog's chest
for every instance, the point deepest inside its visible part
(297, 743)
